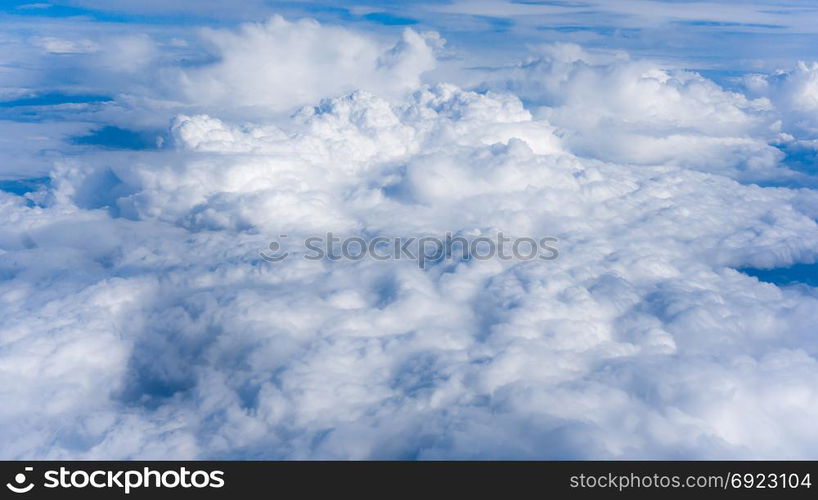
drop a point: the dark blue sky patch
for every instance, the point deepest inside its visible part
(111, 137)
(53, 99)
(800, 157)
(23, 186)
(389, 19)
(60, 11)
(805, 274)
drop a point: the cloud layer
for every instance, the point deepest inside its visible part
(140, 322)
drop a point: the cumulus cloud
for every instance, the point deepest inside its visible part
(141, 322)
(279, 64)
(613, 108)
(795, 94)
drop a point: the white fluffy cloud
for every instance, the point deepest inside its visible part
(140, 322)
(612, 108)
(280, 64)
(794, 93)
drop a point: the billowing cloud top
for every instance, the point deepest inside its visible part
(146, 164)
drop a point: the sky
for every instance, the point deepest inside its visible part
(151, 151)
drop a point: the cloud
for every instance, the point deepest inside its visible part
(176, 340)
(794, 93)
(140, 322)
(279, 64)
(612, 108)
(60, 46)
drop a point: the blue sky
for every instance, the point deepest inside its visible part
(736, 36)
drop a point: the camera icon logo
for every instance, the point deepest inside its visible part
(20, 479)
